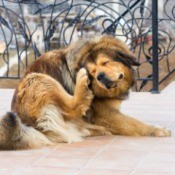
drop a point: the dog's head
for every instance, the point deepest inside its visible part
(109, 64)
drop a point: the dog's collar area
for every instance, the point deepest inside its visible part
(73, 77)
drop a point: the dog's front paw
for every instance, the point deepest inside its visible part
(83, 94)
(159, 131)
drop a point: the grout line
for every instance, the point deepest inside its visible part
(47, 154)
(43, 156)
(144, 156)
(93, 157)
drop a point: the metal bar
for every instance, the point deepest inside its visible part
(170, 73)
(9, 77)
(121, 16)
(155, 46)
(142, 79)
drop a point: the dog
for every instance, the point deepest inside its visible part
(74, 92)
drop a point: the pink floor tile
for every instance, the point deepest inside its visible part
(120, 162)
(12, 164)
(157, 162)
(48, 171)
(164, 148)
(140, 144)
(25, 153)
(102, 172)
(150, 173)
(61, 162)
(78, 153)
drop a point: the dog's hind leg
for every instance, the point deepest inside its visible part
(77, 105)
(36, 91)
(14, 135)
(52, 124)
(72, 106)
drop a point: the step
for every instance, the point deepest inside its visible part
(170, 89)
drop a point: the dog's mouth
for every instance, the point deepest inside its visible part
(108, 84)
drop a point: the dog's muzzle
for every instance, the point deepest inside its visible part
(102, 78)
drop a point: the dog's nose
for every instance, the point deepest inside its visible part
(100, 75)
(121, 76)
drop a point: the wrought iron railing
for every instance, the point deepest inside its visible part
(31, 27)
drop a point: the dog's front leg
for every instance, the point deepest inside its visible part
(133, 127)
(120, 124)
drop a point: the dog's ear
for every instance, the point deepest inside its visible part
(126, 58)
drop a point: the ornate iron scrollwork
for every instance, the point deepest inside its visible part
(31, 27)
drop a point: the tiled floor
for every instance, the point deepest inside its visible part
(105, 155)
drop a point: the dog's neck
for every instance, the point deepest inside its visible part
(98, 104)
(121, 97)
(69, 76)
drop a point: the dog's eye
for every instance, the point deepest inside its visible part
(104, 63)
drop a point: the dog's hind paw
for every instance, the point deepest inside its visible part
(82, 78)
(10, 119)
(83, 94)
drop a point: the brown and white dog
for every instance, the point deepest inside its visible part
(71, 93)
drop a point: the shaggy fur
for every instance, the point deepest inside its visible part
(71, 93)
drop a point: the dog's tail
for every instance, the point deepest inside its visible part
(14, 135)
